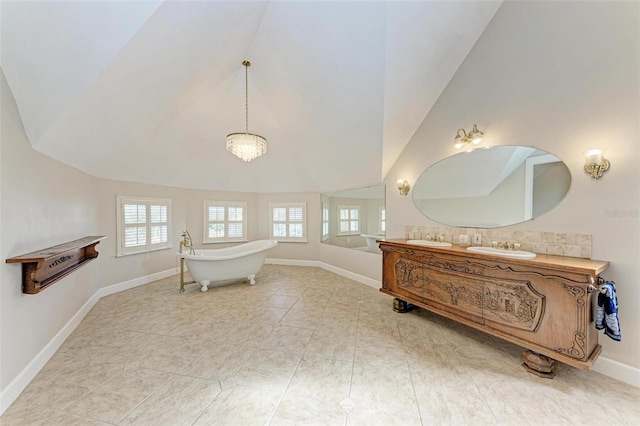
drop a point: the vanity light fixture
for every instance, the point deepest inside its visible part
(595, 163)
(475, 136)
(403, 186)
(244, 145)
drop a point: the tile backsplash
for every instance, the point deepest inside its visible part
(556, 243)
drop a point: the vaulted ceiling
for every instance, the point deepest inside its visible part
(146, 91)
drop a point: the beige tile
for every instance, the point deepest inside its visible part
(22, 413)
(378, 328)
(65, 419)
(287, 339)
(59, 390)
(387, 390)
(302, 318)
(367, 416)
(321, 378)
(239, 405)
(278, 301)
(248, 333)
(582, 239)
(548, 237)
(380, 351)
(118, 396)
(572, 251)
(540, 248)
(301, 410)
(450, 398)
(461, 335)
(271, 370)
(414, 327)
(527, 402)
(434, 359)
(96, 374)
(219, 362)
(179, 402)
(332, 345)
(172, 354)
(555, 249)
(489, 363)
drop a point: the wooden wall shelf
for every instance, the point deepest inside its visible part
(44, 267)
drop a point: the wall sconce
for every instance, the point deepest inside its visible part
(596, 164)
(403, 186)
(474, 136)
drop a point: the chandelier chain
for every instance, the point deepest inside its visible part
(246, 97)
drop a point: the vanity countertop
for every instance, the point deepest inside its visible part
(569, 264)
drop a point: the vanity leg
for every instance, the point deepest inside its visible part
(538, 364)
(401, 306)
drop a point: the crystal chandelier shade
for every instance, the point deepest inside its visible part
(244, 145)
(247, 146)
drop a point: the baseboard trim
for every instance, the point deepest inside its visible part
(136, 282)
(352, 275)
(17, 385)
(293, 262)
(339, 271)
(617, 370)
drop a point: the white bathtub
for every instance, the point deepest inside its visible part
(241, 261)
(371, 241)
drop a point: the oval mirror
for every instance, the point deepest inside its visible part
(492, 187)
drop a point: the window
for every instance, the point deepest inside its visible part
(225, 221)
(288, 222)
(348, 220)
(143, 225)
(325, 222)
(382, 215)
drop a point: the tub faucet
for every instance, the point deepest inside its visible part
(187, 242)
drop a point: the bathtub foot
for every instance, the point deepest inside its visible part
(252, 279)
(205, 285)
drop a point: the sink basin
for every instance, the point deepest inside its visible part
(429, 243)
(516, 254)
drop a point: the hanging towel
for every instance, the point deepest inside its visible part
(607, 314)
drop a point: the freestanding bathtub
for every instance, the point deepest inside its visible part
(371, 241)
(241, 261)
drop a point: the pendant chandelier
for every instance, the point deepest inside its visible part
(246, 146)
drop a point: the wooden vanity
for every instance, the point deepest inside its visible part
(543, 304)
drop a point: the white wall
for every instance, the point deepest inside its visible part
(44, 203)
(563, 77)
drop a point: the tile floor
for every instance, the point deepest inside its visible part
(303, 346)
